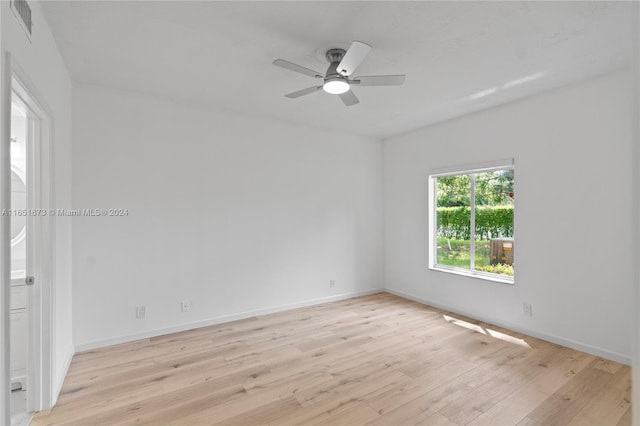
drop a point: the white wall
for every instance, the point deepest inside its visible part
(236, 215)
(573, 219)
(49, 80)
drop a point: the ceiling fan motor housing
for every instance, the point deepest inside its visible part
(335, 55)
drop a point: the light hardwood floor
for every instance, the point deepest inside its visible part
(374, 360)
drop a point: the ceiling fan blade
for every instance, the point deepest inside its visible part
(303, 92)
(349, 98)
(297, 68)
(380, 80)
(354, 56)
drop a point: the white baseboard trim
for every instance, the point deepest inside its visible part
(61, 374)
(218, 320)
(579, 346)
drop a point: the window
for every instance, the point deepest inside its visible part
(471, 220)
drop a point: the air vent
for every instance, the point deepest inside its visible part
(23, 12)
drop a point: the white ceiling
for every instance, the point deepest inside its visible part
(458, 56)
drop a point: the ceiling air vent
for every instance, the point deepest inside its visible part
(23, 12)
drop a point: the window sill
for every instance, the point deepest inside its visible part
(475, 274)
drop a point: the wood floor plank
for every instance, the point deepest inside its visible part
(512, 409)
(319, 412)
(507, 379)
(568, 401)
(612, 402)
(610, 409)
(527, 421)
(348, 415)
(356, 383)
(374, 360)
(423, 406)
(570, 363)
(626, 419)
(438, 419)
(267, 414)
(608, 366)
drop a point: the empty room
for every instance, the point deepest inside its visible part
(319, 212)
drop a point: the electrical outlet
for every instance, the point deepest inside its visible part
(332, 283)
(185, 306)
(141, 312)
(526, 309)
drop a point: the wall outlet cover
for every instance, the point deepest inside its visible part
(141, 311)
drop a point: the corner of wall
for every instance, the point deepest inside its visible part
(63, 369)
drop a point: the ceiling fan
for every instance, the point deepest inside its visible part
(337, 80)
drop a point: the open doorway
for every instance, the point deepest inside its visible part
(31, 256)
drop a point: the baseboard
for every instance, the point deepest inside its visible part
(57, 387)
(218, 320)
(579, 346)
(583, 347)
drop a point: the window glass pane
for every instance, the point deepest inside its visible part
(494, 222)
(453, 221)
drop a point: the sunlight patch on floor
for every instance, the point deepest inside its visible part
(464, 324)
(493, 333)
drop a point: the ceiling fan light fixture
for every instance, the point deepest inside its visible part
(335, 86)
(337, 80)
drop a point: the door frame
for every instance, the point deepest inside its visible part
(40, 240)
(5, 237)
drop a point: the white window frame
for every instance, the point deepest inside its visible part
(433, 205)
